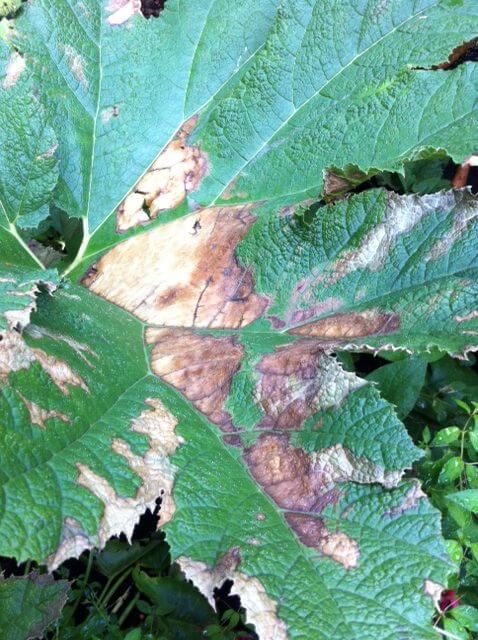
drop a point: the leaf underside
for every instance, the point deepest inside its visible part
(188, 355)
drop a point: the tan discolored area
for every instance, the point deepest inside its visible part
(82, 350)
(340, 548)
(401, 215)
(200, 366)
(39, 415)
(261, 610)
(307, 482)
(154, 469)
(335, 184)
(175, 173)
(184, 274)
(73, 541)
(345, 326)
(15, 67)
(433, 590)
(293, 382)
(304, 484)
(294, 316)
(121, 514)
(16, 355)
(465, 215)
(298, 380)
(61, 374)
(312, 532)
(469, 316)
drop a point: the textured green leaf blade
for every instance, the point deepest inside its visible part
(29, 604)
(304, 446)
(71, 392)
(20, 275)
(283, 91)
(113, 121)
(28, 175)
(28, 171)
(376, 271)
(104, 438)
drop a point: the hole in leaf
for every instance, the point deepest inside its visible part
(466, 52)
(225, 601)
(152, 8)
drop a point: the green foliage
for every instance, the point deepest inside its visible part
(400, 382)
(449, 473)
(175, 170)
(131, 592)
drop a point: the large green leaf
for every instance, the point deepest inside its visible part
(277, 469)
(283, 90)
(401, 382)
(205, 375)
(375, 271)
(28, 175)
(303, 520)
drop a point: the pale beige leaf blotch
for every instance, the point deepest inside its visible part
(154, 469)
(176, 172)
(16, 355)
(15, 67)
(38, 415)
(261, 610)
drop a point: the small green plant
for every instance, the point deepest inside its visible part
(449, 473)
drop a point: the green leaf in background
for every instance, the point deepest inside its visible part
(29, 604)
(183, 611)
(466, 616)
(456, 630)
(446, 436)
(118, 555)
(467, 499)
(421, 176)
(472, 476)
(474, 439)
(452, 470)
(401, 382)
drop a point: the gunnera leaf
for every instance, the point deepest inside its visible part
(253, 435)
(193, 360)
(28, 175)
(28, 166)
(208, 102)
